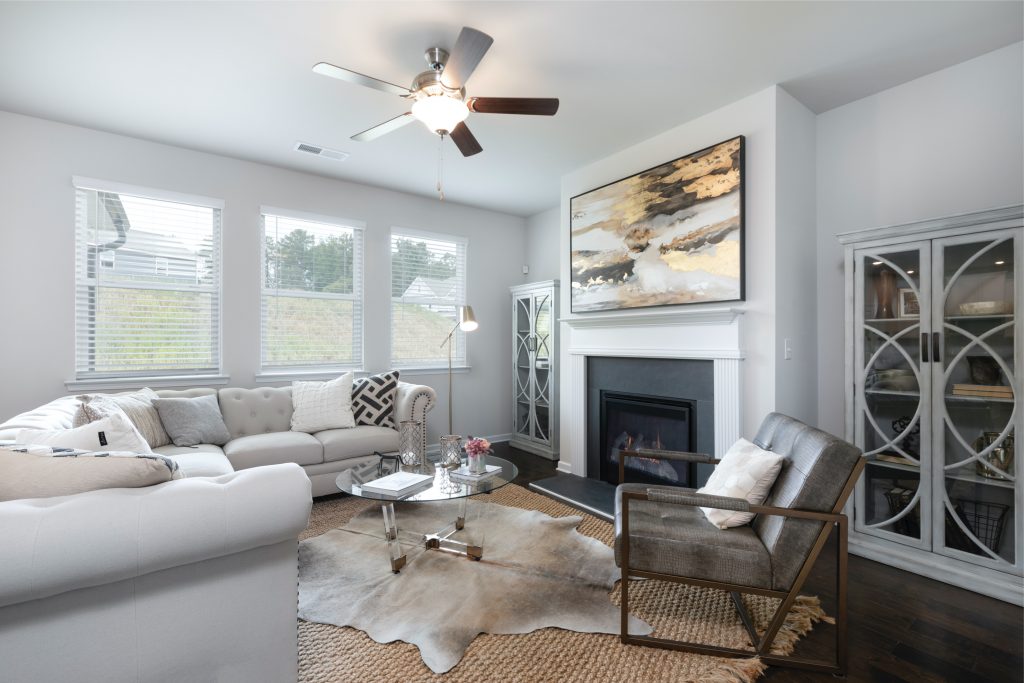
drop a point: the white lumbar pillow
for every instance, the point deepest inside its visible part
(115, 432)
(322, 405)
(746, 471)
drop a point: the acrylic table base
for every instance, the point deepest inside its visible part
(441, 540)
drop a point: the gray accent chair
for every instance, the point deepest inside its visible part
(660, 533)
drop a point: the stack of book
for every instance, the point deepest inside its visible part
(398, 484)
(982, 390)
(464, 475)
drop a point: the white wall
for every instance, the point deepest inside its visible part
(543, 245)
(944, 144)
(37, 247)
(795, 259)
(753, 117)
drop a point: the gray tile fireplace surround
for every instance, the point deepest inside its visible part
(673, 378)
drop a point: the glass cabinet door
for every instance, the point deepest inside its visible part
(892, 383)
(975, 398)
(522, 322)
(542, 366)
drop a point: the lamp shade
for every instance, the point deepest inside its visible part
(440, 112)
(467, 321)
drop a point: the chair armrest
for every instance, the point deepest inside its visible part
(690, 497)
(668, 455)
(682, 456)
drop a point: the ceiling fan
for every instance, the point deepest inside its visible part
(439, 95)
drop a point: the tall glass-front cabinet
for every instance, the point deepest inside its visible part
(934, 360)
(534, 356)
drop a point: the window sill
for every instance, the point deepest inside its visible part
(432, 370)
(162, 381)
(307, 376)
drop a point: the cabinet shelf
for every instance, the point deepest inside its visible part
(958, 475)
(949, 397)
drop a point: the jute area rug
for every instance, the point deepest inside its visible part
(332, 654)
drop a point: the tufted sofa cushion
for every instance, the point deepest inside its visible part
(256, 411)
(269, 449)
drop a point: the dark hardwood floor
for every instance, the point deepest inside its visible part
(902, 627)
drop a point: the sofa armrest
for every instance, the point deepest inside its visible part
(413, 402)
(117, 534)
(57, 414)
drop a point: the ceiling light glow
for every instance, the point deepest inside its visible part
(440, 113)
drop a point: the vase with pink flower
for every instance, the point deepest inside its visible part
(477, 451)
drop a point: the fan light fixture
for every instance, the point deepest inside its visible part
(440, 113)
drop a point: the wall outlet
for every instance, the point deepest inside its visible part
(526, 270)
(787, 350)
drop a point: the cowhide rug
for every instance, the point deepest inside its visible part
(537, 571)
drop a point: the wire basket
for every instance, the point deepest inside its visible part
(985, 520)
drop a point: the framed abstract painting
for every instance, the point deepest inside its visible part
(670, 235)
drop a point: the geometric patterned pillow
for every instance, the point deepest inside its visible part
(373, 399)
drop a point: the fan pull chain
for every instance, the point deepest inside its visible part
(440, 167)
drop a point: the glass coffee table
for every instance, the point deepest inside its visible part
(442, 487)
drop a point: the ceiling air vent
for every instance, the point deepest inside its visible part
(323, 152)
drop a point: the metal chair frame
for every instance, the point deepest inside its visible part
(761, 644)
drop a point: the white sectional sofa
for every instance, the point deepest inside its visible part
(190, 580)
(259, 421)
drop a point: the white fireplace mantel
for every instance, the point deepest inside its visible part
(699, 334)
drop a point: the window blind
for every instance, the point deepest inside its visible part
(428, 283)
(148, 282)
(312, 293)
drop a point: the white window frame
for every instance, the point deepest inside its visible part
(90, 379)
(460, 354)
(276, 372)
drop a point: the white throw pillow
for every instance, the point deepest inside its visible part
(322, 405)
(115, 432)
(746, 471)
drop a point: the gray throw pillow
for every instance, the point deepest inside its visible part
(192, 421)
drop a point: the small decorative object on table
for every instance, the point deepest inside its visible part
(451, 451)
(410, 447)
(477, 451)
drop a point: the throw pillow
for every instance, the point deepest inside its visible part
(42, 472)
(138, 406)
(115, 432)
(192, 421)
(373, 399)
(746, 471)
(322, 405)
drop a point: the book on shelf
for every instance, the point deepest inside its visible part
(897, 459)
(397, 484)
(983, 390)
(463, 473)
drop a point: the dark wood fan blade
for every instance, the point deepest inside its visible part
(465, 141)
(326, 69)
(538, 106)
(470, 48)
(384, 128)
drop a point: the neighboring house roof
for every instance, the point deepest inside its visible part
(157, 245)
(431, 289)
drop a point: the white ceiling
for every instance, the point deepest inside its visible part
(235, 78)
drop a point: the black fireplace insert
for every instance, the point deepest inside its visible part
(636, 421)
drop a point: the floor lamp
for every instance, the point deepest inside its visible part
(467, 323)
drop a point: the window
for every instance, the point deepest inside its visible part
(428, 283)
(147, 294)
(312, 292)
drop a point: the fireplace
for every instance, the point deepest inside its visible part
(630, 421)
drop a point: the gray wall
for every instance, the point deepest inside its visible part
(543, 248)
(37, 244)
(944, 144)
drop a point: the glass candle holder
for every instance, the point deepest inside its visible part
(451, 451)
(410, 442)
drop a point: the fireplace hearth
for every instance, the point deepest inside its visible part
(631, 421)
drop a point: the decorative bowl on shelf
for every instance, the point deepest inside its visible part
(983, 308)
(895, 379)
